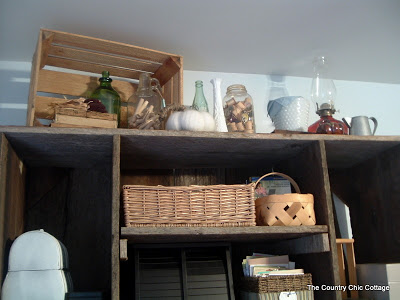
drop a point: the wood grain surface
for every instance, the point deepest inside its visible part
(74, 206)
(310, 171)
(12, 200)
(115, 219)
(221, 234)
(372, 192)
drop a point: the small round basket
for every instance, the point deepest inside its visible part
(287, 209)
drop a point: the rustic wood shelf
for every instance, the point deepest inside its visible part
(221, 234)
(61, 179)
(80, 147)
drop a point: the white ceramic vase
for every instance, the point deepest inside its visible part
(218, 106)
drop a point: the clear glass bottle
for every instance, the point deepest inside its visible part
(146, 99)
(239, 109)
(199, 101)
(323, 93)
(278, 88)
(107, 95)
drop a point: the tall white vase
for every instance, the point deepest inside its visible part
(218, 106)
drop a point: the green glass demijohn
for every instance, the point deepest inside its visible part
(107, 95)
(199, 101)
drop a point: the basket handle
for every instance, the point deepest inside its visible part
(291, 180)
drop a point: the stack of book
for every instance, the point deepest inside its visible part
(78, 117)
(262, 265)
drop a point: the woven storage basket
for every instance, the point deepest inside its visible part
(276, 283)
(187, 206)
(287, 209)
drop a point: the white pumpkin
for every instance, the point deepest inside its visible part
(173, 122)
(191, 120)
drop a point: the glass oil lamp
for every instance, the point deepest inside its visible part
(323, 93)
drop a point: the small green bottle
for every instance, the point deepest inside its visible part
(107, 95)
(199, 101)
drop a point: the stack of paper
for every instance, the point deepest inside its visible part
(260, 265)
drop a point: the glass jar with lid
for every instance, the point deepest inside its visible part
(239, 109)
(145, 105)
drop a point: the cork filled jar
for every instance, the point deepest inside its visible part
(239, 109)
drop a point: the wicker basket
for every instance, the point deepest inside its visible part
(285, 210)
(189, 206)
(276, 283)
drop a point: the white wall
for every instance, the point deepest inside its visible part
(14, 87)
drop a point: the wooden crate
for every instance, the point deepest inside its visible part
(71, 52)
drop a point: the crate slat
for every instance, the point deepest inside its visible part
(101, 45)
(30, 115)
(168, 69)
(47, 40)
(55, 82)
(78, 65)
(102, 59)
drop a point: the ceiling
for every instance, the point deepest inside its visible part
(360, 38)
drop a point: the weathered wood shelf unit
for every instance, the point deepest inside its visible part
(68, 182)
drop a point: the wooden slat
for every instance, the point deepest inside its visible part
(137, 274)
(229, 273)
(15, 195)
(168, 91)
(169, 68)
(123, 122)
(157, 285)
(172, 276)
(178, 85)
(92, 68)
(123, 249)
(12, 198)
(209, 176)
(317, 243)
(207, 297)
(351, 263)
(311, 162)
(104, 59)
(106, 46)
(341, 265)
(33, 86)
(115, 226)
(3, 177)
(173, 88)
(147, 177)
(47, 39)
(184, 269)
(79, 85)
(213, 234)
